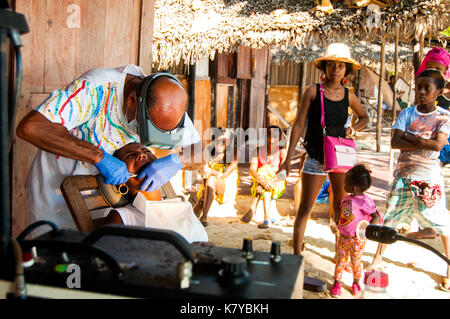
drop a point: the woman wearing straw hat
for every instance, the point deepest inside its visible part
(336, 65)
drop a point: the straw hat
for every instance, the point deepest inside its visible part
(337, 52)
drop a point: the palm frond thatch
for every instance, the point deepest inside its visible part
(190, 30)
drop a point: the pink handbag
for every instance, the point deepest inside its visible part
(339, 154)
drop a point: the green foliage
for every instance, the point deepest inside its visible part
(446, 32)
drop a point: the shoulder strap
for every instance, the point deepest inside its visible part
(322, 115)
(347, 97)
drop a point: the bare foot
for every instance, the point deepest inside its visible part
(204, 220)
(248, 216)
(376, 264)
(445, 284)
(264, 224)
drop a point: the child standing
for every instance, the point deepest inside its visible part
(420, 132)
(437, 58)
(355, 207)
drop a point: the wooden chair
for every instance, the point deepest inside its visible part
(80, 206)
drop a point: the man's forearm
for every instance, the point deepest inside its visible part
(55, 138)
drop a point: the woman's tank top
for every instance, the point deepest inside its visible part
(336, 114)
(274, 162)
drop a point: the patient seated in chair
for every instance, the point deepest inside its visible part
(176, 216)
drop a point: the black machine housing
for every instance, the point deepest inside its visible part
(166, 265)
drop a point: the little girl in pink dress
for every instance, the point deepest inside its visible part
(355, 207)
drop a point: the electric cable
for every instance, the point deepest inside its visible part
(35, 225)
(417, 242)
(388, 235)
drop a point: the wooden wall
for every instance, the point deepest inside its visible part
(66, 39)
(202, 107)
(367, 84)
(222, 106)
(260, 60)
(289, 73)
(283, 91)
(240, 84)
(284, 98)
(202, 112)
(285, 74)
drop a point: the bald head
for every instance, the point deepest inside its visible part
(166, 102)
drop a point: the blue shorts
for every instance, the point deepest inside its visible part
(312, 166)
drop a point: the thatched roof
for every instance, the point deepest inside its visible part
(188, 30)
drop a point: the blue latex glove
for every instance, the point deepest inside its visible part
(159, 172)
(113, 170)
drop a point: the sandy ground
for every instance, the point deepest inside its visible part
(414, 272)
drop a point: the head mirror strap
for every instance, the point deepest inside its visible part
(142, 98)
(147, 80)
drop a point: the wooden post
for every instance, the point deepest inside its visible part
(301, 90)
(358, 84)
(411, 85)
(230, 106)
(391, 152)
(237, 118)
(191, 87)
(145, 45)
(394, 99)
(421, 40)
(380, 97)
(213, 80)
(258, 88)
(266, 91)
(302, 81)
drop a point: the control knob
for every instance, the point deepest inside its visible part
(275, 252)
(247, 248)
(234, 271)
